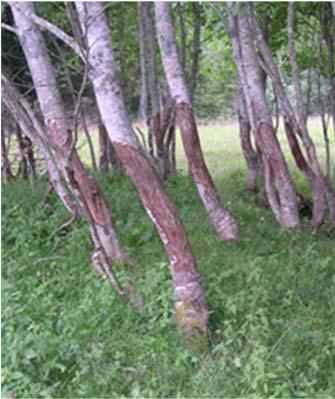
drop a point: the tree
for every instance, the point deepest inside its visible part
(221, 219)
(282, 197)
(190, 305)
(321, 188)
(91, 201)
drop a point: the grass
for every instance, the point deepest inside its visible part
(272, 298)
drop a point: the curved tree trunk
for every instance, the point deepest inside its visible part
(223, 222)
(25, 118)
(284, 201)
(320, 186)
(87, 192)
(190, 302)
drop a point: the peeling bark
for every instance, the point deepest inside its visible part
(322, 184)
(319, 183)
(190, 303)
(25, 118)
(274, 162)
(86, 191)
(223, 222)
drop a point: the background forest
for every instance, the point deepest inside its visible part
(168, 199)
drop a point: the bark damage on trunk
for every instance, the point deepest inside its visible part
(191, 309)
(278, 182)
(83, 187)
(190, 306)
(221, 219)
(320, 184)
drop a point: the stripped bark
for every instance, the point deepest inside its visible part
(316, 180)
(88, 194)
(25, 117)
(322, 187)
(190, 304)
(221, 219)
(283, 202)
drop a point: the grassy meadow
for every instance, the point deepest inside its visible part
(65, 333)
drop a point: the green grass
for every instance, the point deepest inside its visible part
(272, 298)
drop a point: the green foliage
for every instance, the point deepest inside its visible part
(66, 334)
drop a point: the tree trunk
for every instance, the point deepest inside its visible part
(103, 148)
(322, 185)
(329, 38)
(144, 84)
(196, 49)
(26, 119)
(155, 114)
(317, 182)
(6, 171)
(250, 155)
(87, 192)
(284, 202)
(182, 29)
(81, 115)
(190, 304)
(322, 112)
(23, 164)
(221, 219)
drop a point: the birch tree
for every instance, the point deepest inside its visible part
(190, 305)
(282, 196)
(221, 219)
(94, 207)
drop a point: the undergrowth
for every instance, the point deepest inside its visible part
(66, 334)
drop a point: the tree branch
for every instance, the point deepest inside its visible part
(8, 27)
(50, 27)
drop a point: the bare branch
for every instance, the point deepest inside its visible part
(50, 27)
(8, 27)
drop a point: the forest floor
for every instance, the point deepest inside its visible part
(271, 296)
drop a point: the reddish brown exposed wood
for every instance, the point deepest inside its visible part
(190, 303)
(220, 217)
